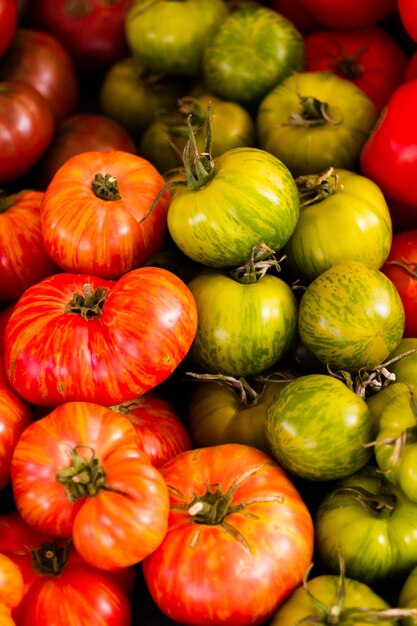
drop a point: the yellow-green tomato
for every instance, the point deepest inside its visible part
(408, 597)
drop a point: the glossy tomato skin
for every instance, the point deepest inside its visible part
(8, 23)
(319, 412)
(26, 129)
(351, 13)
(133, 345)
(23, 260)
(39, 59)
(370, 57)
(400, 268)
(351, 317)
(264, 540)
(120, 230)
(332, 140)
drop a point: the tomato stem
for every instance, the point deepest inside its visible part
(89, 304)
(348, 65)
(105, 187)
(314, 112)
(261, 260)
(84, 477)
(314, 188)
(50, 558)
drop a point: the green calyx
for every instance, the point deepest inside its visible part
(84, 477)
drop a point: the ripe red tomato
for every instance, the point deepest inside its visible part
(79, 337)
(346, 14)
(23, 258)
(369, 57)
(8, 23)
(401, 269)
(96, 214)
(408, 14)
(26, 129)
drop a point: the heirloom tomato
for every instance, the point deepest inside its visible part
(245, 197)
(78, 472)
(156, 34)
(408, 596)
(96, 217)
(339, 201)
(252, 50)
(23, 258)
(235, 516)
(11, 582)
(370, 57)
(351, 317)
(349, 13)
(8, 23)
(370, 524)
(79, 337)
(327, 117)
(317, 428)
(405, 368)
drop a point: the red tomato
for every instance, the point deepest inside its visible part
(159, 429)
(408, 14)
(369, 57)
(5, 313)
(96, 214)
(239, 540)
(78, 133)
(11, 582)
(23, 258)
(346, 14)
(41, 61)
(79, 337)
(411, 69)
(401, 269)
(8, 23)
(26, 129)
(389, 156)
(297, 13)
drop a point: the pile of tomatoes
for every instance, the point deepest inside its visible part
(208, 312)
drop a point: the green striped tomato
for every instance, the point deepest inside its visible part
(316, 427)
(351, 317)
(249, 198)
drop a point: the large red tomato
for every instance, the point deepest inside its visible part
(346, 14)
(408, 14)
(239, 539)
(23, 258)
(8, 23)
(26, 129)
(79, 337)
(97, 215)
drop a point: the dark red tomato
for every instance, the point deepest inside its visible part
(39, 59)
(26, 129)
(408, 14)
(159, 429)
(8, 23)
(369, 57)
(401, 268)
(83, 132)
(346, 14)
(5, 313)
(91, 30)
(411, 69)
(297, 13)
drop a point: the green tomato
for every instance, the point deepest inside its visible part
(341, 202)
(316, 428)
(408, 597)
(252, 51)
(371, 524)
(379, 400)
(351, 317)
(315, 120)
(168, 36)
(405, 369)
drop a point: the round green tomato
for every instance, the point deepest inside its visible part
(319, 604)
(252, 50)
(250, 198)
(316, 428)
(315, 120)
(351, 317)
(372, 524)
(168, 36)
(378, 401)
(355, 207)
(408, 597)
(405, 369)
(243, 329)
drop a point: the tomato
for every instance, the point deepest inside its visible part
(389, 155)
(370, 57)
(253, 50)
(5, 313)
(6, 617)
(246, 197)
(407, 598)
(26, 129)
(156, 35)
(297, 13)
(114, 191)
(327, 117)
(350, 13)
(339, 201)
(40, 60)
(235, 516)
(411, 68)
(79, 472)
(371, 524)
(405, 368)
(83, 132)
(313, 413)
(86, 338)
(408, 13)
(400, 267)
(160, 431)
(351, 317)
(8, 23)
(11, 582)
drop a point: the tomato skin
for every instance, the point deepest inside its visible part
(408, 14)
(351, 317)
(407, 598)
(350, 13)
(8, 23)
(371, 58)
(132, 346)
(11, 582)
(267, 545)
